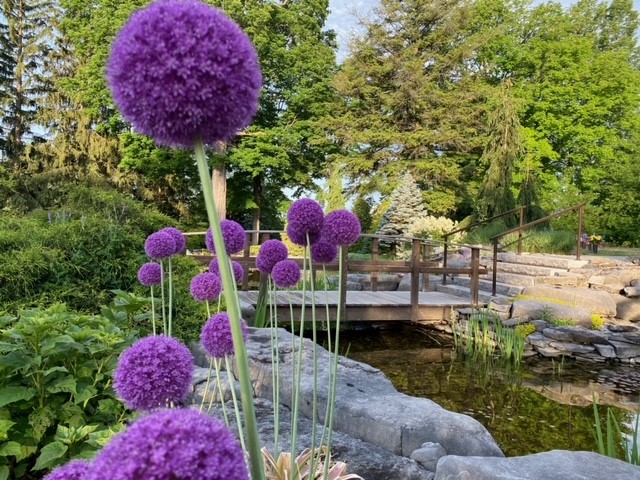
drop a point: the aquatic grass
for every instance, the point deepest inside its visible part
(608, 438)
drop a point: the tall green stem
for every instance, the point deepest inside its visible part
(164, 310)
(170, 296)
(233, 309)
(153, 312)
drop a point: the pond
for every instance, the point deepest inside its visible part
(540, 405)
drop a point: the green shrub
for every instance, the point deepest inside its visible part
(547, 241)
(482, 235)
(524, 330)
(563, 322)
(56, 396)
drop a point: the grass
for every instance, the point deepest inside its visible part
(612, 251)
(607, 436)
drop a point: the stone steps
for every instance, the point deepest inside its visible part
(528, 281)
(551, 261)
(503, 289)
(461, 291)
(523, 269)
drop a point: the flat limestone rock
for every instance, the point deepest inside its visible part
(537, 308)
(554, 465)
(575, 335)
(598, 302)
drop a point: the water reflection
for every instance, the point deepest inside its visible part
(539, 406)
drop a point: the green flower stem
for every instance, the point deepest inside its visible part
(233, 308)
(216, 364)
(153, 312)
(170, 296)
(230, 379)
(327, 312)
(314, 333)
(164, 312)
(208, 310)
(206, 387)
(275, 368)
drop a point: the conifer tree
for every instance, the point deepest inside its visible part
(405, 206)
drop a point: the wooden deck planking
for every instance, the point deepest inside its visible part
(364, 306)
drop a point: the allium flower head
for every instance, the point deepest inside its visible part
(238, 271)
(298, 234)
(341, 227)
(206, 287)
(216, 335)
(323, 251)
(74, 470)
(178, 237)
(150, 274)
(271, 252)
(153, 372)
(307, 215)
(172, 444)
(180, 69)
(159, 245)
(234, 236)
(286, 273)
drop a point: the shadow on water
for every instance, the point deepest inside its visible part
(538, 406)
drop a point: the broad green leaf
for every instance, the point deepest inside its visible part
(26, 451)
(55, 369)
(4, 472)
(15, 394)
(10, 449)
(63, 384)
(40, 420)
(15, 360)
(5, 426)
(86, 394)
(49, 454)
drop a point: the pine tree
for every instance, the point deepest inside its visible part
(405, 206)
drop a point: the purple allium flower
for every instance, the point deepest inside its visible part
(180, 69)
(172, 444)
(150, 274)
(152, 372)
(205, 287)
(342, 227)
(298, 235)
(323, 251)
(216, 335)
(238, 271)
(271, 252)
(159, 245)
(178, 237)
(286, 273)
(234, 236)
(306, 215)
(74, 470)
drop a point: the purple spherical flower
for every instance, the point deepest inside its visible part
(74, 470)
(238, 271)
(150, 274)
(159, 245)
(181, 70)
(154, 372)
(205, 287)
(341, 227)
(323, 251)
(306, 215)
(300, 236)
(216, 335)
(178, 237)
(172, 444)
(234, 236)
(286, 273)
(271, 252)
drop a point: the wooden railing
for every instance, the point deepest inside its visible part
(495, 239)
(419, 262)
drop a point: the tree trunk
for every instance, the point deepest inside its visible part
(257, 198)
(219, 180)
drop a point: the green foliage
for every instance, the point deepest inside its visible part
(524, 330)
(562, 322)
(630, 451)
(545, 241)
(482, 235)
(405, 207)
(56, 395)
(597, 322)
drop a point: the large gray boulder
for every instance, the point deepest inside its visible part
(598, 302)
(538, 308)
(628, 309)
(368, 407)
(554, 465)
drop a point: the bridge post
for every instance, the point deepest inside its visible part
(375, 252)
(415, 278)
(444, 258)
(475, 275)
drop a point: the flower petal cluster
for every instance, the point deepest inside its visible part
(150, 274)
(271, 252)
(341, 227)
(238, 270)
(180, 69)
(160, 245)
(172, 444)
(234, 236)
(286, 273)
(323, 251)
(305, 216)
(216, 335)
(74, 470)
(205, 287)
(154, 372)
(178, 237)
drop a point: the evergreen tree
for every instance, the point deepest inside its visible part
(362, 210)
(332, 195)
(405, 206)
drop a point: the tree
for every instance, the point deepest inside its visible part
(405, 206)
(331, 196)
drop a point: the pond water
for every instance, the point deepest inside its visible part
(540, 405)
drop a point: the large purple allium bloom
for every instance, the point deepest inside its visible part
(234, 236)
(341, 227)
(74, 470)
(323, 251)
(180, 69)
(205, 287)
(238, 271)
(286, 273)
(178, 237)
(271, 252)
(172, 444)
(305, 216)
(298, 234)
(154, 372)
(150, 274)
(216, 335)
(159, 245)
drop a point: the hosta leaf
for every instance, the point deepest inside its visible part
(49, 454)
(15, 394)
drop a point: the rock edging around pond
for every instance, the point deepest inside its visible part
(421, 439)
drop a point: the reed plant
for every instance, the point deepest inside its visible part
(611, 439)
